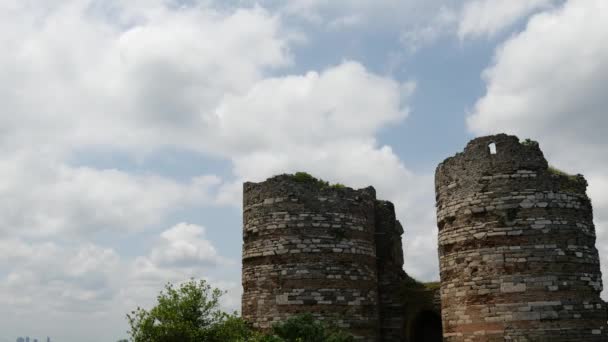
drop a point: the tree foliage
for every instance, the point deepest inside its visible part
(190, 312)
(304, 328)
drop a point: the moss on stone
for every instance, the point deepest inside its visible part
(552, 169)
(305, 177)
(417, 295)
(432, 286)
(529, 142)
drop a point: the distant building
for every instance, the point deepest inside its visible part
(48, 339)
(20, 339)
(27, 339)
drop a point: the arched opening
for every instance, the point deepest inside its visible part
(492, 148)
(427, 327)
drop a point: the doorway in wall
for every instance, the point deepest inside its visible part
(427, 327)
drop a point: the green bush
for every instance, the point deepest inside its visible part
(233, 329)
(304, 328)
(190, 313)
(529, 142)
(556, 171)
(305, 177)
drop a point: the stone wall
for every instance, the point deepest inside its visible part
(389, 252)
(517, 248)
(311, 248)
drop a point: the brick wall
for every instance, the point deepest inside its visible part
(517, 248)
(312, 248)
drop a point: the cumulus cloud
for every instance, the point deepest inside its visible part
(56, 283)
(48, 197)
(132, 77)
(415, 23)
(326, 123)
(184, 245)
(64, 279)
(342, 102)
(547, 83)
(181, 252)
(488, 17)
(140, 76)
(419, 23)
(125, 80)
(47, 286)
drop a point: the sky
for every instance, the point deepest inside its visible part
(128, 127)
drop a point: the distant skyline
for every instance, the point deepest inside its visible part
(32, 339)
(128, 127)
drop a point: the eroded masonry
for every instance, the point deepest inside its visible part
(331, 251)
(517, 247)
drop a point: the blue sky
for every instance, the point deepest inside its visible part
(128, 128)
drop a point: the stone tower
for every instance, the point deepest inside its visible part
(312, 248)
(517, 247)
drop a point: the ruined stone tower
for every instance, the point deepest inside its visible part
(517, 247)
(312, 248)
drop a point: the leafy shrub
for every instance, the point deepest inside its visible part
(529, 142)
(231, 329)
(556, 171)
(305, 177)
(188, 313)
(417, 295)
(304, 328)
(191, 313)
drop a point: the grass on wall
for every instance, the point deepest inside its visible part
(305, 177)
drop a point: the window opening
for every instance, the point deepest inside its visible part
(492, 148)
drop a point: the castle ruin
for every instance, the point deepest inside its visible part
(516, 245)
(334, 252)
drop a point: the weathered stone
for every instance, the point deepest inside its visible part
(525, 268)
(332, 252)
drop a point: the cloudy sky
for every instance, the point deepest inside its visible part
(127, 128)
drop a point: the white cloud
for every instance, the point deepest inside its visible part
(181, 252)
(47, 197)
(341, 103)
(487, 17)
(60, 278)
(321, 122)
(547, 83)
(146, 72)
(418, 23)
(184, 245)
(139, 76)
(130, 76)
(55, 284)
(440, 24)
(326, 123)
(125, 76)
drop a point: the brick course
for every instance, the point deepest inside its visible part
(313, 248)
(517, 248)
